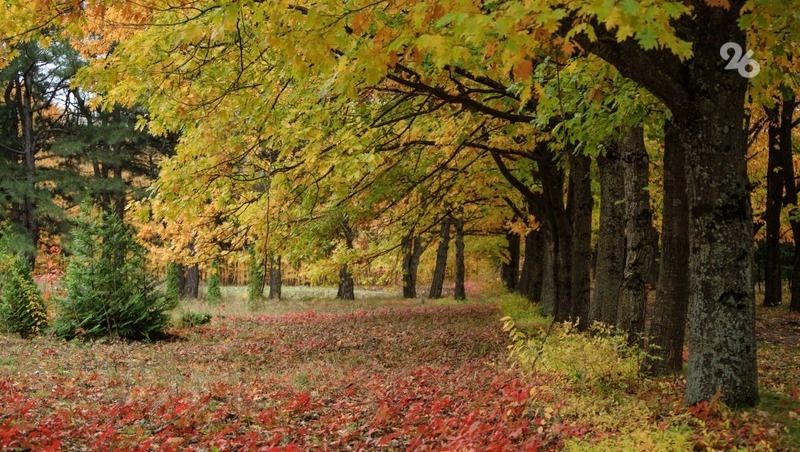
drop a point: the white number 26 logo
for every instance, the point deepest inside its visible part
(747, 68)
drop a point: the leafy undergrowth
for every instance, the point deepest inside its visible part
(595, 382)
(412, 377)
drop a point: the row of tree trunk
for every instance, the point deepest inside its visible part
(557, 265)
(781, 192)
(414, 245)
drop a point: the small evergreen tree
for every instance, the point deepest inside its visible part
(22, 309)
(214, 294)
(172, 288)
(109, 291)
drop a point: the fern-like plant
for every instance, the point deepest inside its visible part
(22, 309)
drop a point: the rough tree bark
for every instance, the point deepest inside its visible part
(275, 278)
(509, 270)
(549, 282)
(638, 223)
(346, 289)
(441, 259)
(611, 237)
(460, 292)
(560, 227)
(582, 202)
(191, 285)
(531, 275)
(772, 216)
(412, 252)
(668, 326)
(708, 105)
(789, 103)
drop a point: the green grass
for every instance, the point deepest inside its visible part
(780, 408)
(303, 299)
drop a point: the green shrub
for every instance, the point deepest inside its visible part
(109, 291)
(22, 309)
(214, 294)
(191, 319)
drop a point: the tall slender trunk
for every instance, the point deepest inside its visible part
(611, 237)
(668, 326)
(460, 292)
(638, 222)
(24, 104)
(582, 202)
(441, 259)
(772, 216)
(788, 105)
(346, 285)
(560, 228)
(509, 270)
(549, 282)
(412, 252)
(275, 278)
(531, 275)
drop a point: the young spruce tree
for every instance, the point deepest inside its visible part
(109, 291)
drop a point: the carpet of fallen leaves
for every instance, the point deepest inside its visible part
(419, 377)
(399, 377)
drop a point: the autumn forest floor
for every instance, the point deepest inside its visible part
(370, 374)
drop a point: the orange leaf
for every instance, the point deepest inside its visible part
(724, 4)
(523, 70)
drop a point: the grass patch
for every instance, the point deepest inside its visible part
(785, 410)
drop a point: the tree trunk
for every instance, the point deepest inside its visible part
(181, 269)
(192, 282)
(772, 216)
(787, 164)
(580, 186)
(531, 276)
(638, 223)
(346, 286)
(549, 282)
(509, 270)
(722, 345)
(460, 291)
(668, 327)
(708, 106)
(412, 252)
(441, 259)
(275, 278)
(24, 101)
(611, 237)
(560, 228)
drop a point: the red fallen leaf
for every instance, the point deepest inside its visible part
(302, 403)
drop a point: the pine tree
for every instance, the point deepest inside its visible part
(22, 309)
(109, 290)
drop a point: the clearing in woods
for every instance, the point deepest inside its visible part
(394, 376)
(385, 374)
